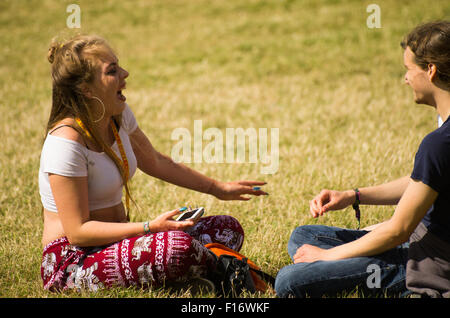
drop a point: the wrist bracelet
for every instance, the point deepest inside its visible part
(356, 206)
(146, 227)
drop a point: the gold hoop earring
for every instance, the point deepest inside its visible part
(104, 110)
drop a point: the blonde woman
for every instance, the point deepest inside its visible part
(92, 149)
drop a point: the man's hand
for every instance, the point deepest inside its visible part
(328, 200)
(309, 253)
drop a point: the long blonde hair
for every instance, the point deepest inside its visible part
(74, 63)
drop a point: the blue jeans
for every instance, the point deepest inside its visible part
(380, 275)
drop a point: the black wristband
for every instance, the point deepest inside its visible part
(357, 198)
(356, 206)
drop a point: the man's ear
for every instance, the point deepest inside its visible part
(431, 72)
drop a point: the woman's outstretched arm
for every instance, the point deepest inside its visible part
(158, 165)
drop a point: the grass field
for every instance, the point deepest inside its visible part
(312, 68)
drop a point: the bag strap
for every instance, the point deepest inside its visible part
(268, 278)
(214, 247)
(220, 249)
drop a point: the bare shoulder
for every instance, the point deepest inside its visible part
(66, 129)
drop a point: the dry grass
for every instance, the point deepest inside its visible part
(310, 68)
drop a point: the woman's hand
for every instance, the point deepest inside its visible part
(165, 222)
(236, 189)
(330, 200)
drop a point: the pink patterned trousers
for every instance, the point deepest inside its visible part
(153, 259)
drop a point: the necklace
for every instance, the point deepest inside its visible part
(123, 162)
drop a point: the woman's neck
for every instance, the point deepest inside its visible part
(104, 129)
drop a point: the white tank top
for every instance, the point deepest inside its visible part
(69, 158)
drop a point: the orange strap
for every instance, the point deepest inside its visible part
(219, 249)
(80, 123)
(124, 160)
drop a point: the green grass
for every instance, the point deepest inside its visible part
(311, 68)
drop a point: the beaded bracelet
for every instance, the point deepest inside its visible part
(146, 227)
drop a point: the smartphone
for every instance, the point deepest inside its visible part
(194, 214)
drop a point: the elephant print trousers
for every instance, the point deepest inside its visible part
(152, 259)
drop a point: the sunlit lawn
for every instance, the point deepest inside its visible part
(313, 69)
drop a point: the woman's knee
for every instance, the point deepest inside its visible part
(226, 222)
(223, 229)
(231, 233)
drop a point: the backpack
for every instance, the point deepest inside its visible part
(235, 273)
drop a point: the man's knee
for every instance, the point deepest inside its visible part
(286, 282)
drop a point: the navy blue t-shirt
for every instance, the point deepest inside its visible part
(432, 167)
